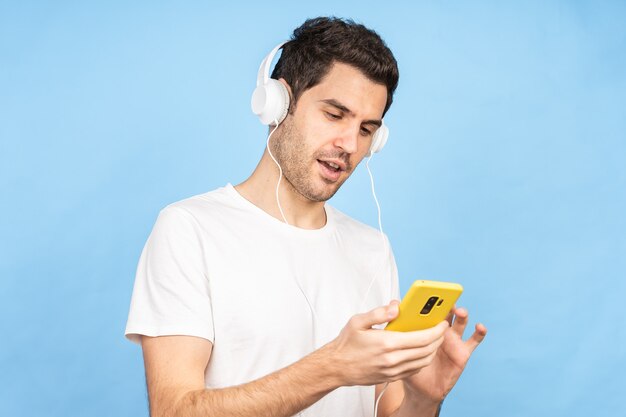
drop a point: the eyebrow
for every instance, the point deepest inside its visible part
(339, 106)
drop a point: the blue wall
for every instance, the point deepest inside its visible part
(505, 171)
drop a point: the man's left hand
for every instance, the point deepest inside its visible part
(435, 381)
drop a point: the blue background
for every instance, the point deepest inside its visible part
(505, 171)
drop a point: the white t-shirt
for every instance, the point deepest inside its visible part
(265, 293)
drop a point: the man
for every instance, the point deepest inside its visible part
(262, 300)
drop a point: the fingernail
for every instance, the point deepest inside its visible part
(392, 311)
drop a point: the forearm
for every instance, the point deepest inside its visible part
(280, 394)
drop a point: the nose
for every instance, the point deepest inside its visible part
(348, 139)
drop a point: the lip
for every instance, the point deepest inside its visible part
(327, 173)
(339, 162)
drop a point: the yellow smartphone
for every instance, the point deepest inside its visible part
(426, 304)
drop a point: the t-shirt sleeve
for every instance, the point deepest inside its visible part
(171, 295)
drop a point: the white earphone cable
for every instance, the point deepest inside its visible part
(379, 397)
(280, 176)
(369, 171)
(380, 227)
(385, 251)
(280, 170)
(260, 109)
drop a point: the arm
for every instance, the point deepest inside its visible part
(360, 355)
(175, 376)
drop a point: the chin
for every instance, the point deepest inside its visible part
(326, 191)
(317, 194)
(316, 189)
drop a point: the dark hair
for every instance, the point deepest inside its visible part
(320, 42)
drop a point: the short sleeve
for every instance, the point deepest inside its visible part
(171, 295)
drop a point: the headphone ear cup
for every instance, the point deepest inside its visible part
(270, 102)
(379, 140)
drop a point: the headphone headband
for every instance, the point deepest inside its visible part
(264, 69)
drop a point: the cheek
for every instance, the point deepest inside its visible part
(314, 126)
(363, 148)
(316, 135)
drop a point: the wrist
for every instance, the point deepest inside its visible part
(415, 405)
(418, 399)
(322, 363)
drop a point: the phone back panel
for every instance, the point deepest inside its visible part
(419, 310)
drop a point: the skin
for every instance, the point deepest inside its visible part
(333, 121)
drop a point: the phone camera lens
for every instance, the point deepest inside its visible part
(429, 305)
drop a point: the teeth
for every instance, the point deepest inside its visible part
(333, 165)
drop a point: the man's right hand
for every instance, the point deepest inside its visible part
(365, 356)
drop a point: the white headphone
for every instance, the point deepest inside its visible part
(270, 101)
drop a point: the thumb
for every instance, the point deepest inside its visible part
(378, 315)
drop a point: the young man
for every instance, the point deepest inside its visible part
(253, 302)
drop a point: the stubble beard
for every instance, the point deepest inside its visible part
(292, 154)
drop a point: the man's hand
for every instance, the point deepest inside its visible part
(365, 356)
(434, 382)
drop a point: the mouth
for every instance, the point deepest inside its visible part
(331, 170)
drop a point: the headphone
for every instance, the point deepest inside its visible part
(270, 101)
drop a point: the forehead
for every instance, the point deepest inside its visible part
(352, 88)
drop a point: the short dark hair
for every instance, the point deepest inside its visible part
(322, 41)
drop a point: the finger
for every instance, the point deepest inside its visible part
(417, 338)
(378, 315)
(479, 335)
(410, 368)
(404, 375)
(413, 354)
(460, 321)
(450, 315)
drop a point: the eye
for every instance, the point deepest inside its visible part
(333, 116)
(365, 131)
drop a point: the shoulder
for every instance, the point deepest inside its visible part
(353, 228)
(203, 207)
(193, 215)
(212, 200)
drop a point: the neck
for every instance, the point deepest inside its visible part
(260, 190)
